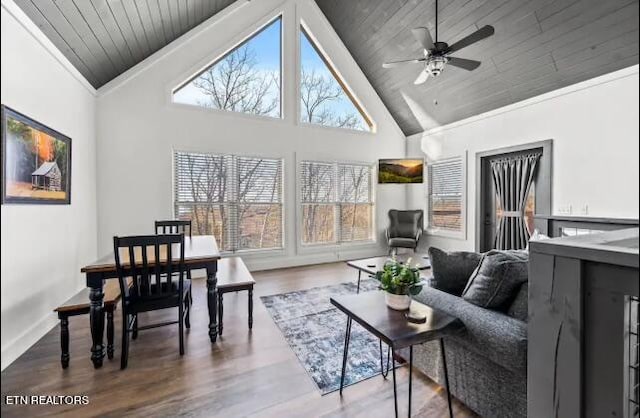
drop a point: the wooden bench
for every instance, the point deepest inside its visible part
(79, 305)
(233, 276)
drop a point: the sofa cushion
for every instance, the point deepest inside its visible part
(495, 282)
(402, 242)
(451, 270)
(519, 308)
(489, 333)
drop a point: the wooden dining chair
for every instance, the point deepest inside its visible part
(173, 227)
(155, 264)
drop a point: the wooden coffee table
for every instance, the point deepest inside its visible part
(391, 327)
(375, 264)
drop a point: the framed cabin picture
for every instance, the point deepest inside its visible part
(36, 161)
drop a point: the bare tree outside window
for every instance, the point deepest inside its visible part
(318, 93)
(323, 98)
(236, 84)
(246, 80)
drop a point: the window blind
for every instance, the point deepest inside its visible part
(259, 196)
(356, 202)
(337, 202)
(445, 194)
(318, 198)
(237, 199)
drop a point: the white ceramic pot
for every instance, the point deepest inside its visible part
(397, 302)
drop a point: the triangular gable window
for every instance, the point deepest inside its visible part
(246, 79)
(324, 97)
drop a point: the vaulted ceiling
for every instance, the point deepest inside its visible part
(104, 38)
(539, 45)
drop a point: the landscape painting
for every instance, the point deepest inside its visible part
(36, 161)
(400, 170)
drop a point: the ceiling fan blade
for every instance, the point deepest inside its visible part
(423, 37)
(463, 63)
(480, 34)
(422, 77)
(392, 64)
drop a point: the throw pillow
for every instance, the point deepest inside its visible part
(497, 279)
(451, 270)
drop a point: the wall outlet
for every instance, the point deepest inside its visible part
(565, 210)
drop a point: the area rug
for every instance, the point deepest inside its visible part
(315, 329)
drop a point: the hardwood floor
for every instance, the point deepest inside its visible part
(245, 374)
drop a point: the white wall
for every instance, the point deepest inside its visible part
(43, 247)
(594, 127)
(138, 127)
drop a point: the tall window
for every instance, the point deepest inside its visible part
(324, 98)
(246, 80)
(446, 204)
(337, 202)
(237, 199)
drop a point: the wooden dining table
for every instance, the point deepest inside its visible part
(200, 252)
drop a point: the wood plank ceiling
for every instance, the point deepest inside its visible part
(539, 45)
(104, 38)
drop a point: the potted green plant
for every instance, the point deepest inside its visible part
(399, 281)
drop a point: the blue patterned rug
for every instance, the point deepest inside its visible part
(315, 330)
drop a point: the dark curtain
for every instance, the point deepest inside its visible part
(512, 178)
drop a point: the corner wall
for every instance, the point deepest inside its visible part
(594, 127)
(44, 246)
(138, 127)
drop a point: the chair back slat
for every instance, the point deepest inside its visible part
(169, 265)
(158, 267)
(145, 276)
(137, 284)
(147, 273)
(173, 227)
(182, 269)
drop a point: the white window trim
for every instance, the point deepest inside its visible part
(434, 231)
(337, 246)
(256, 251)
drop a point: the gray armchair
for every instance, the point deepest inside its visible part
(405, 229)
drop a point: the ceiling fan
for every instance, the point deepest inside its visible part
(436, 55)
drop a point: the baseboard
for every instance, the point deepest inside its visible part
(22, 343)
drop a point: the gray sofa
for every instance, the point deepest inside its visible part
(487, 363)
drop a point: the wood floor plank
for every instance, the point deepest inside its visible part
(245, 374)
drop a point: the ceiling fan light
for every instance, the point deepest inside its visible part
(436, 65)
